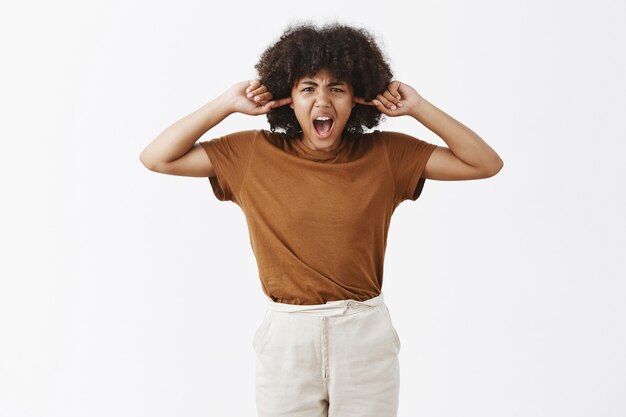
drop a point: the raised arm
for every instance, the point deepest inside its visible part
(467, 156)
(175, 151)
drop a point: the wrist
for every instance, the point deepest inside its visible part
(418, 108)
(224, 105)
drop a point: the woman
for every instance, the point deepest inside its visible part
(318, 193)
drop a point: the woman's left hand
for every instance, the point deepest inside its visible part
(398, 99)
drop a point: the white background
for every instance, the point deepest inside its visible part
(128, 293)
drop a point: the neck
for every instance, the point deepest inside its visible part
(309, 143)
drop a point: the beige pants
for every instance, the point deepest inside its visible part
(338, 359)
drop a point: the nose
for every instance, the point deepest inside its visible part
(321, 98)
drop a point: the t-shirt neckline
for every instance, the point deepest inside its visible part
(320, 154)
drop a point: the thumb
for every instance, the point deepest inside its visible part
(264, 108)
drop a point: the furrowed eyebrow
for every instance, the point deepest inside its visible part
(329, 84)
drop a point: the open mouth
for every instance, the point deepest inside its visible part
(323, 126)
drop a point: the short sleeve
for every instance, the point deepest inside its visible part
(407, 158)
(229, 156)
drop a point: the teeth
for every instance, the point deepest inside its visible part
(323, 118)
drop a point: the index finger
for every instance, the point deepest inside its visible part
(363, 101)
(281, 102)
(393, 89)
(252, 84)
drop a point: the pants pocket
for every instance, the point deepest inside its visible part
(393, 329)
(258, 334)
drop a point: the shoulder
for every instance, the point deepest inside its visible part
(394, 139)
(238, 143)
(277, 139)
(243, 135)
(392, 135)
(271, 136)
(391, 139)
(234, 138)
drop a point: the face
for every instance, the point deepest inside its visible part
(322, 95)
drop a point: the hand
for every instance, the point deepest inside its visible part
(398, 99)
(252, 98)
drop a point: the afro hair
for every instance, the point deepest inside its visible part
(350, 53)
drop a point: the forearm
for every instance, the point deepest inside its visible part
(177, 139)
(461, 140)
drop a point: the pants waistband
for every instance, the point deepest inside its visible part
(331, 308)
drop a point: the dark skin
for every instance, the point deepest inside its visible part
(397, 100)
(467, 156)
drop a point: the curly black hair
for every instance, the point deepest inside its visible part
(350, 53)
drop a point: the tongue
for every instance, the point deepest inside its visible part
(323, 126)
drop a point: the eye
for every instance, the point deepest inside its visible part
(307, 88)
(338, 89)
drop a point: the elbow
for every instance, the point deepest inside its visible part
(146, 162)
(495, 167)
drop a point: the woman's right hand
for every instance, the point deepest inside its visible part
(252, 98)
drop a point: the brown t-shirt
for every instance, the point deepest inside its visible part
(318, 220)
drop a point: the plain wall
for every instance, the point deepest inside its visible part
(128, 293)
